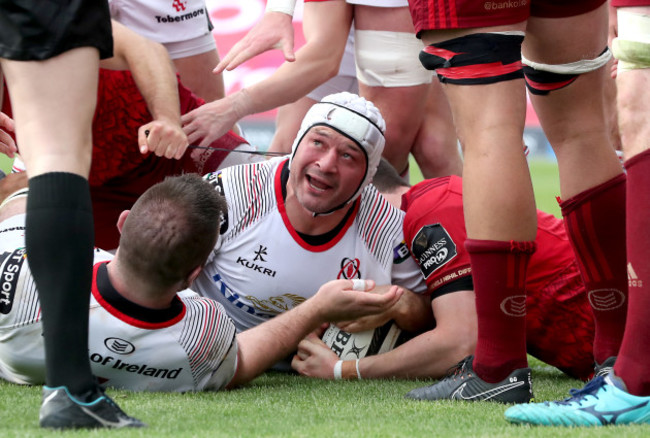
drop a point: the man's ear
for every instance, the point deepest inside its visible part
(190, 278)
(122, 219)
(195, 273)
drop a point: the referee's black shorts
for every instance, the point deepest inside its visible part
(42, 29)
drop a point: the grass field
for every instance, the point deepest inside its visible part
(292, 406)
(5, 163)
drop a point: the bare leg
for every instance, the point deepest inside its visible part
(573, 118)
(436, 145)
(592, 183)
(401, 126)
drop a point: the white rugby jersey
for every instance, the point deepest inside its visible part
(261, 266)
(163, 22)
(188, 347)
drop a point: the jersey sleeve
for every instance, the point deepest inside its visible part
(405, 271)
(209, 339)
(434, 230)
(226, 372)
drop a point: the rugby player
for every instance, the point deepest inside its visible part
(296, 222)
(148, 332)
(623, 396)
(559, 320)
(480, 55)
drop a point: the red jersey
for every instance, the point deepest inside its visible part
(630, 3)
(560, 327)
(119, 173)
(459, 14)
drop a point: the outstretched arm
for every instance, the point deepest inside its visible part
(153, 73)
(266, 344)
(326, 27)
(429, 355)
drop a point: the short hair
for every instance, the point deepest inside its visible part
(387, 180)
(171, 229)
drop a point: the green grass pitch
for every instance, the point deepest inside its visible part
(280, 405)
(291, 406)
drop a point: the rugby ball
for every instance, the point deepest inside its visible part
(351, 346)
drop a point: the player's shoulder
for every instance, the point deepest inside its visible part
(201, 308)
(240, 178)
(206, 323)
(374, 206)
(379, 226)
(447, 188)
(250, 191)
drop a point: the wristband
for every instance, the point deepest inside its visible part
(337, 370)
(358, 372)
(285, 6)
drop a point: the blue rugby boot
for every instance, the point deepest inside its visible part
(602, 401)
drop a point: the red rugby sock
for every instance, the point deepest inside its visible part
(595, 223)
(499, 274)
(633, 359)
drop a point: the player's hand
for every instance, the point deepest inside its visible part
(7, 143)
(208, 122)
(314, 358)
(273, 31)
(344, 300)
(163, 138)
(412, 312)
(370, 322)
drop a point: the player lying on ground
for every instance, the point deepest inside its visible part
(295, 223)
(559, 322)
(148, 332)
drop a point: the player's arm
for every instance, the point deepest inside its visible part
(264, 345)
(326, 26)
(153, 73)
(428, 355)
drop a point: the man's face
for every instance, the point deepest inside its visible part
(327, 169)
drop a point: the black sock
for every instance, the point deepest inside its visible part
(59, 240)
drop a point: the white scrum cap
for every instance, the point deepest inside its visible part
(356, 118)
